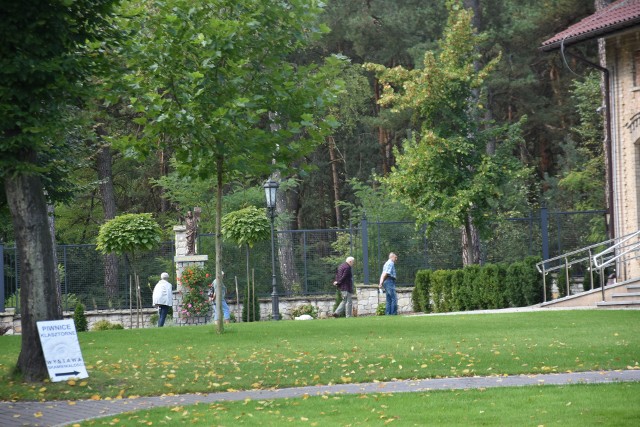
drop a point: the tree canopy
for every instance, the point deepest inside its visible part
(445, 172)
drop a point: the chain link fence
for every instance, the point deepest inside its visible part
(306, 260)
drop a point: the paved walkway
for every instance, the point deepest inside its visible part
(60, 413)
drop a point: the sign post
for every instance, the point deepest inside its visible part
(61, 350)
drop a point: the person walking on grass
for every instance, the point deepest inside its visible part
(212, 297)
(388, 283)
(344, 282)
(162, 298)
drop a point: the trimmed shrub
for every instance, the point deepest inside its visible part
(491, 279)
(469, 293)
(79, 318)
(105, 325)
(516, 274)
(440, 290)
(586, 283)
(421, 292)
(456, 282)
(531, 286)
(561, 280)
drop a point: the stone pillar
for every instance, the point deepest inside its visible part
(180, 239)
(183, 261)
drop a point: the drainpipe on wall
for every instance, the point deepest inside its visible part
(608, 139)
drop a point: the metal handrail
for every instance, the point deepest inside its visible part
(617, 249)
(542, 265)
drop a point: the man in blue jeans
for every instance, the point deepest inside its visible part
(388, 282)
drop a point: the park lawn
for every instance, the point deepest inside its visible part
(572, 405)
(261, 355)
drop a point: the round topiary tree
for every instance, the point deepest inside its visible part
(129, 235)
(246, 227)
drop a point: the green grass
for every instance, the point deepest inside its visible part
(141, 362)
(574, 405)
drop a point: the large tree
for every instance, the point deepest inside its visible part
(445, 172)
(215, 82)
(42, 60)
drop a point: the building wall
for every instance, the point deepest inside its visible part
(624, 68)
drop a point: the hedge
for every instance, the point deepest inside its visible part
(476, 287)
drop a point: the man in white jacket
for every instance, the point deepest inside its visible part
(163, 297)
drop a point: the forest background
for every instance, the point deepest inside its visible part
(340, 180)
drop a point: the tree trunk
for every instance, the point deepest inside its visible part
(105, 175)
(218, 243)
(52, 232)
(38, 289)
(288, 271)
(331, 142)
(384, 141)
(470, 244)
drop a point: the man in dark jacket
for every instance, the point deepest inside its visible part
(344, 282)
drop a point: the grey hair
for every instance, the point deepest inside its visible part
(164, 276)
(350, 258)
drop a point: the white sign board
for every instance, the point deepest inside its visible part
(61, 350)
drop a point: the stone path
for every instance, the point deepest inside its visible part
(60, 413)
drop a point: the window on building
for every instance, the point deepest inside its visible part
(636, 68)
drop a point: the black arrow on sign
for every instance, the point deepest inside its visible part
(66, 374)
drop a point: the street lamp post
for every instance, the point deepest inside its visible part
(270, 188)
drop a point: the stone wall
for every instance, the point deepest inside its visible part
(365, 303)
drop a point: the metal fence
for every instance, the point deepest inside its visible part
(307, 259)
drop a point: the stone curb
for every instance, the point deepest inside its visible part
(61, 413)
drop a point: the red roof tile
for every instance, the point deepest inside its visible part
(618, 16)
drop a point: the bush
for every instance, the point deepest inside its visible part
(79, 318)
(457, 291)
(309, 309)
(195, 302)
(381, 309)
(478, 287)
(153, 319)
(421, 292)
(12, 301)
(69, 300)
(561, 281)
(586, 283)
(441, 290)
(469, 294)
(105, 325)
(531, 286)
(516, 274)
(491, 292)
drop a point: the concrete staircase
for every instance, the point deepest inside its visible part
(626, 297)
(620, 295)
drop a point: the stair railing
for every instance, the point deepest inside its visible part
(566, 261)
(616, 250)
(626, 249)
